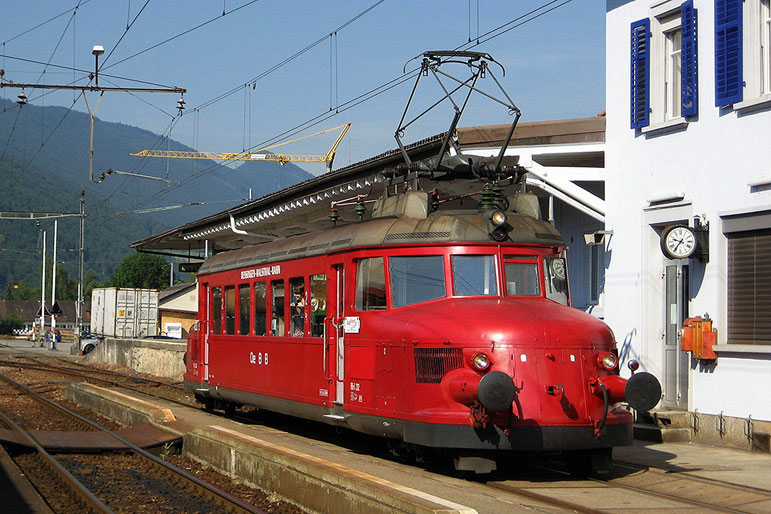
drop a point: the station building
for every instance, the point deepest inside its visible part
(688, 97)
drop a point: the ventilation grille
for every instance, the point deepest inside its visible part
(431, 364)
(418, 235)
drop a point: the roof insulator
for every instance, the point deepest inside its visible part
(333, 215)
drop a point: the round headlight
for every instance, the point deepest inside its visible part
(608, 361)
(498, 218)
(480, 361)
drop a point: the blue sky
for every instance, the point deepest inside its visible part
(554, 64)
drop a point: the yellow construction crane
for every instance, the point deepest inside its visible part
(257, 155)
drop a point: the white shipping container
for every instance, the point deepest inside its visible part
(124, 312)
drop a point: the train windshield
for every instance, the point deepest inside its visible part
(555, 279)
(474, 275)
(522, 276)
(416, 279)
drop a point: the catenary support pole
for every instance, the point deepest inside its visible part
(79, 306)
(53, 291)
(43, 295)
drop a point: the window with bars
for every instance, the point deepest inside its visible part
(749, 287)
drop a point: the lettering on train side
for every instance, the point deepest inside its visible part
(265, 271)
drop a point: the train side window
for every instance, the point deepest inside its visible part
(474, 275)
(522, 278)
(230, 310)
(260, 308)
(243, 309)
(297, 307)
(370, 284)
(555, 279)
(318, 304)
(216, 309)
(416, 279)
(279, 309)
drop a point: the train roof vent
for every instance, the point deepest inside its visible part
(412, 204)
(525, 203)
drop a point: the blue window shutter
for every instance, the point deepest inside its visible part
(640, 77)
(689, 59)
(728, 52)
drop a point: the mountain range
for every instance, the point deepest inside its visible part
(44, 167)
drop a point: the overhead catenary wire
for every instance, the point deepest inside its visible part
(185, 32)
(128, 27)
(288, 59)
(49, 20)
(372, 93)
(86, 72)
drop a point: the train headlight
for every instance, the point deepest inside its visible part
(496, 224)
(608, 361)
(498, 218)
(480, 361)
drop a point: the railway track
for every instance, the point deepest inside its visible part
(628, 486)
(111, 482)
(631, 486)
(155, 388)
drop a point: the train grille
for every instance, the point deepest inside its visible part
(431, 364)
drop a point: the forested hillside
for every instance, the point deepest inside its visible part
(44, 167)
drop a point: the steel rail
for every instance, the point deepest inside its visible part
(75, 485)
(565, 504)
(684, 475)
(105, 372)
(642, 490)
(217, 495)
(84, 374)
(650, 492)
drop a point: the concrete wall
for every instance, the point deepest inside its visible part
(155, 357)
(711, 161)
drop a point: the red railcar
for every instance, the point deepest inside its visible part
(449, 330)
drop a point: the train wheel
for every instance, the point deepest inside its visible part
(401, 451)
(208, 405)
(230, 410)
(579, 466)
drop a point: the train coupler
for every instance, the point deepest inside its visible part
(478, 417)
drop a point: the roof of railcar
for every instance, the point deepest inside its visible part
(438, 227)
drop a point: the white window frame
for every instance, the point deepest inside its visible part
(665, 93)
(756, 54)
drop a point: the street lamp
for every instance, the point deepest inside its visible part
(97, 51)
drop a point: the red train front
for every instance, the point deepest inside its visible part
(449, 330)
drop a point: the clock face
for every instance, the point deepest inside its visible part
(679, 242)
(558, 268)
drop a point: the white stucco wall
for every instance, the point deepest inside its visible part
(711, 161)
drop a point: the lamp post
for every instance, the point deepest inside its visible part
(97, 51)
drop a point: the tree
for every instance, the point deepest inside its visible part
(141, 270)
(90, 281)
(23, 291)
(66, 287)
(11, 323)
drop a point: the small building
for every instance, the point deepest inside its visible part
(28, 311)
(177, 309)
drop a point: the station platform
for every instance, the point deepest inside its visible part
(316, 467)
